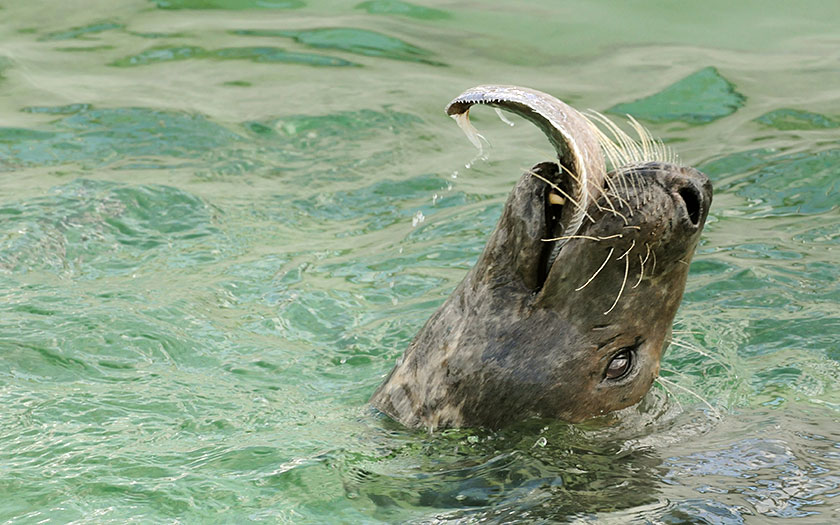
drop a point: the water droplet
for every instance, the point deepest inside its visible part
(418, 218)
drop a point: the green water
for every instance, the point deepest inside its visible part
(221, 221)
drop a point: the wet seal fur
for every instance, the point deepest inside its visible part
(568, 310)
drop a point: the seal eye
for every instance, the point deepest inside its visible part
(620, 364)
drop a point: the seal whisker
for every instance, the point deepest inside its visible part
(621, 150)
(563, 193)
(641, 271)
(611, 150)
(596, 271)
(570, 173)
(618, 190)
(587, 237)
(611, 187)
(601, 191)
(634, 182)
(647, 254)
(615, 142)
(653, 269)
(660, 383)
(698, 351)
(644, 137)
(615, 212)
(575, 178)
(628, 250)
(693, 393)
(615, 153)
(645, 193)
(627, 181)
(612, 192)
(611, 207)
(653, 149)
(622, 183)
(623, 282)
(628, 149)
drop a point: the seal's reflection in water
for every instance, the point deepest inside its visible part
(531, 471)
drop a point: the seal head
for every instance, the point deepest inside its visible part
(559, 317)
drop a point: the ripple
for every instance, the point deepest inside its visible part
(229, 4)
(400, 8)
(161, 54)
(777, 185)
(789, 119)
(96, 228)
(82, 32)
(351, 40)
(699, 98)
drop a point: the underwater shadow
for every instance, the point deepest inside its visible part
(537, 470)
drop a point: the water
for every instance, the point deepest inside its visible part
(221, 221)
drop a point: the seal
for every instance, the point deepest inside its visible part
(569, 308)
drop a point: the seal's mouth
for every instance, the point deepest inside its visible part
(553, 205)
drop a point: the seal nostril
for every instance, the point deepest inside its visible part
(692, 203)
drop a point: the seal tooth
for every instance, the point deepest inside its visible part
(553, 198)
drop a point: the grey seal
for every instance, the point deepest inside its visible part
(569, 308)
